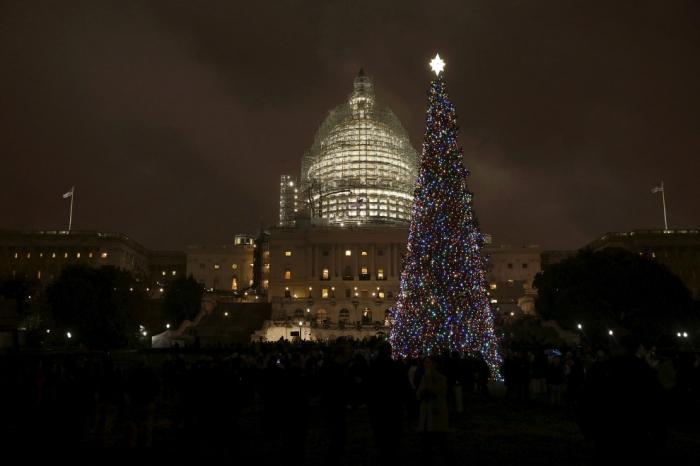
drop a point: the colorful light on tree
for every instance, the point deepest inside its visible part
(443, 302)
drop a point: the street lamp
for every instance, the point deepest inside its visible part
(579, 326)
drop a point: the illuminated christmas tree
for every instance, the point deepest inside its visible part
(443, 302)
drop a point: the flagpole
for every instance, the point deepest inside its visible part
(663, 201)
(70, 215)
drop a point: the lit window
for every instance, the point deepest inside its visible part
(363, 253)
(380, 274)
(29, 254)
(266, 283)
(174, 273)
(163, 273)
(287, 274)
(90, 255)
(217, 266)
(287, 253)
(103, 255)
(234, 283)
(234, 266)
(65, 255)
(53, 255)
(77, 255)
(493, 286)
(16, 255)
(38, 275)
(494, 301)
(348, 252)
(324, 292)
(381, 295)
(41, 254)
(325, 274)
(363, 270)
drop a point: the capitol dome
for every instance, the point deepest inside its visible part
(361, 167)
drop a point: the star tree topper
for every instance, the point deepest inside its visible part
(437, 64)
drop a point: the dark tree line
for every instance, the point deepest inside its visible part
(102, 308)
(615, 289)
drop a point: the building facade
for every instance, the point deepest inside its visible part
(41, 255)
(511, 271)
(165, 266)
(678, 250)
(224, 267)
(328, 276)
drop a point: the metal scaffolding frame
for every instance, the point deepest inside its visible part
(361, 167)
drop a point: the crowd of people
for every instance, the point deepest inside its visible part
(623, 397)
(220, 402)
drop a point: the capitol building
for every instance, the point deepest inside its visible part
(361, 167)
(332, 264)
(333, 261)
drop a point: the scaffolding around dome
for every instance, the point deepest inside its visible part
(361, 168)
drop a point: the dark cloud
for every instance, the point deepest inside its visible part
(175, 119)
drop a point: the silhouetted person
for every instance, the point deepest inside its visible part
(482, 372)
(555, 380)
(385, 381)
(621, 408)
(539, 373)
(296, 412)
(334, 399)
(357, 372)
(433, 417)
(143, 389)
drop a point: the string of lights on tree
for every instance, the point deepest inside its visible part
(443, 303)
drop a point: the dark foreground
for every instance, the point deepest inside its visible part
(328, 405)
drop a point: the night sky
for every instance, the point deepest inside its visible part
(174, 119)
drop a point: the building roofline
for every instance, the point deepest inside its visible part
(63, 234)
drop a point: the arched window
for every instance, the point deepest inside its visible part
(234, 283)
(343, 315)
(366, 316)
(287, 274)
(321, 316)
(347, 273)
